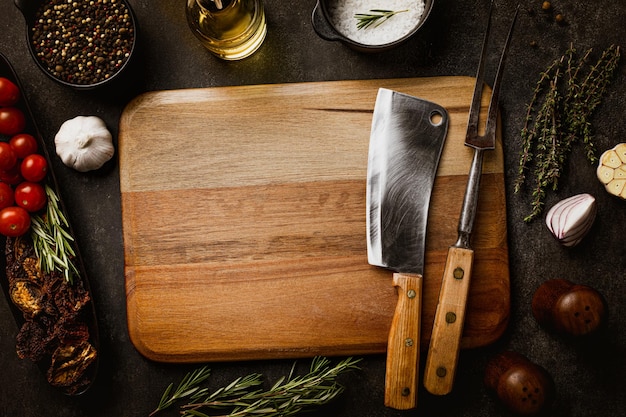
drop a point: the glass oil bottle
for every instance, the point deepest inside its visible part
(230, 29)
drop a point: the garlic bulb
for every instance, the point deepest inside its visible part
(569, 220)
(84, 143)
(612, 170)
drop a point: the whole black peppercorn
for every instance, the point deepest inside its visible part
(83, 42)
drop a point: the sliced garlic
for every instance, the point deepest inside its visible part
(84, 143)
(569, 220)
(612, 170)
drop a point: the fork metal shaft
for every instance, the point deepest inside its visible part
(470, 201)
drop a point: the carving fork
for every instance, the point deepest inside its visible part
(444, 347)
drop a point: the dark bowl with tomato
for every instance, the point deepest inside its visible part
(84, 47)
(23, 195)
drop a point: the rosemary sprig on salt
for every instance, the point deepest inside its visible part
(375, 17)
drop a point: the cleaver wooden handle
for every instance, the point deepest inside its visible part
(403, 347)
(443, 353)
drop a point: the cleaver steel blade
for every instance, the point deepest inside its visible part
(406, 141)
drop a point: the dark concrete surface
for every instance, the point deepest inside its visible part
(589, 375)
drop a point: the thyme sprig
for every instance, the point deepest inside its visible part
(52, 240)
(559, 116)
(243, 397)
(374, 18)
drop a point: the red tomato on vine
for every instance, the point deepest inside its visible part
(23, 145)
(30, 196)
(14, 221)
(34, 168)
(9, 92)
(12, 120)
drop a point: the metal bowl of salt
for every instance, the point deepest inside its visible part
(370, 25)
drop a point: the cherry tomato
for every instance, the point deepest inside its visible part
(30, 196)
(12, 176)
(8, 159)
(14, 221)
(6, 195)
(23, 145)
(9, 92)
(12, 120)
(34, 168)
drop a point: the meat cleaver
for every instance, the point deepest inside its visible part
(406, 141)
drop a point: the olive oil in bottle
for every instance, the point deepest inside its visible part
(230, 29)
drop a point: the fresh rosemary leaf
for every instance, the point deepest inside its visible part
(187, 387)
(242, 398)
(51, 239)
(278, 383)
(238, 386)
(374, 18)
(195, 413)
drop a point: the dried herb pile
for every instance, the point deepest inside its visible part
(559, 116)
(56, 331)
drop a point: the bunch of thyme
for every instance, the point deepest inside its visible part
(243, 397)
(374, 18)
(571, 90)
(53, 243)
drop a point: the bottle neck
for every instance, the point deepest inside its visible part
(213, 6)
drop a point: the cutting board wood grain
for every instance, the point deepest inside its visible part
(243, 212)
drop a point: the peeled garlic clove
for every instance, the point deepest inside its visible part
(612, 170)
(569, 220)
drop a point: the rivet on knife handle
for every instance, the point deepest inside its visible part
(445, 339)
(403, 347)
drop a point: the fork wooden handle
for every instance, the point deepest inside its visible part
(403, 347)
(445, 339)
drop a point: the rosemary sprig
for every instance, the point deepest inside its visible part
(52, 242)
(558, 116)
(374, 18)
(188, 387)
(242, 398)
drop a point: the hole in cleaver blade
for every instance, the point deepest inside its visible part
(406, 142)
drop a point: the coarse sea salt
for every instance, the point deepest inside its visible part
(341, 14)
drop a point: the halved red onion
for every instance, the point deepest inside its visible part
(570, 219)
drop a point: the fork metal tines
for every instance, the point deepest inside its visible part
(488, 139)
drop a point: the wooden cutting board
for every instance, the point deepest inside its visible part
(243, 212)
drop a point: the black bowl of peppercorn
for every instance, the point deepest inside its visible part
(83, 44)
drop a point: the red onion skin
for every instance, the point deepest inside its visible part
(560, 213)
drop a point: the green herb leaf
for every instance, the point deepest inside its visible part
(374, 18)
(558, 117)
(52, 240)
(188, 387)
(243, 398)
